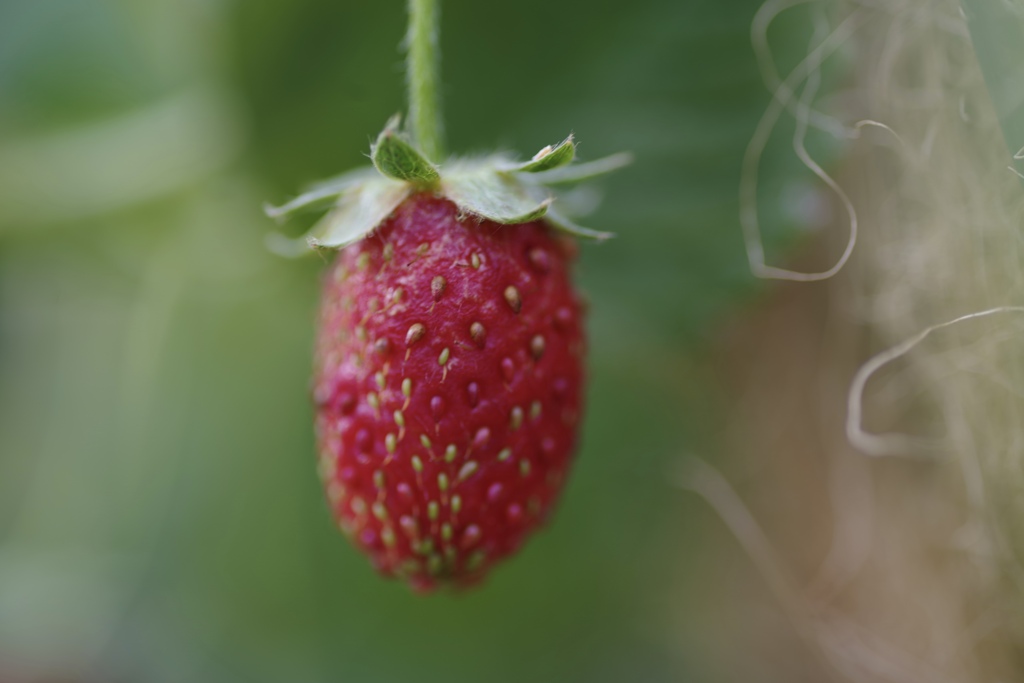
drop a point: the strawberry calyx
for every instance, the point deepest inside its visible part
(495, 187)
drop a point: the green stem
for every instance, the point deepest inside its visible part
(423, 66)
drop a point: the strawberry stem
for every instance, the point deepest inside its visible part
(423, 67)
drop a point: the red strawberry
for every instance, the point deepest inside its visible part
(448, 388)
(449, 359)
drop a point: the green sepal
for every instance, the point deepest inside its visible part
(582, 172)
(550, 157)
(287, 247)
(558, 221)
(397, 158)
(358, 213)
(494, 188)
(320, 195)
(481, 189)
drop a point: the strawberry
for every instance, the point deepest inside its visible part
(449, 358)
(448, 389)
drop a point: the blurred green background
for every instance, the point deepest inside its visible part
(160, 517)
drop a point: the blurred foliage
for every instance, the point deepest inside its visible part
(997, 34)
(160, 518)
